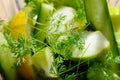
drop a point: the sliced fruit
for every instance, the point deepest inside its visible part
(42, 60)
(25, 70)
(95, 44)
(19, 26)
(23, 22)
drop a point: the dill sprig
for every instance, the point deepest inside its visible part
(61, 43)
(19, 48)
(64, 46)
(66, 69)
(60, 69)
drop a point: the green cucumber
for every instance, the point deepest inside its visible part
(6, 60)
(42, 61)
(98, 72)
(95, 44)
(43, 19)
(97, 15)
(63, 20)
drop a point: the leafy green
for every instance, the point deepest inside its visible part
(19, 48)
(65, 46)
(67, 69)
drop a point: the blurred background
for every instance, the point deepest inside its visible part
(114, 3)
(8, 8)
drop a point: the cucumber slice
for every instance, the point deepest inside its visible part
(63, 19)
(95, 44)
(97, 15)
(6, 60)
(42, 60)
(43, 19)
(60, 18)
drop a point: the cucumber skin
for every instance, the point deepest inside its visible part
(43, 19)
(98, 16)
(6, 60)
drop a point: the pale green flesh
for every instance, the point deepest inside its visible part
(43, 60)
(95, 43)
(6, 59)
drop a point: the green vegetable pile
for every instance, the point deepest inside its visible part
(61, 40)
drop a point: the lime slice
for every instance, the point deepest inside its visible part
(42, 60)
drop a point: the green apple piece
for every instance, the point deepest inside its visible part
(42, 60)
(95, 43)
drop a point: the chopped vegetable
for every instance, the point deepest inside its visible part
(43, 20)
(7, 59)
(91, 49)
(42, 60)
(98, 16)
(20, 30)
(61, 40)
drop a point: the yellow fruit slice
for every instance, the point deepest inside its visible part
(25, 70)
(18, 26)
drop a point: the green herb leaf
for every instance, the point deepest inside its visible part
(19, 48)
